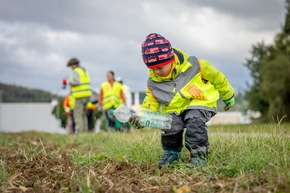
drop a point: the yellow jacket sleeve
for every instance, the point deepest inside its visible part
(217, 78)
(150, 103)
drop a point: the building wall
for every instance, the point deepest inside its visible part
(228, 118)
(17, 117)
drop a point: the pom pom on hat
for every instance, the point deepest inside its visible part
(157, 51)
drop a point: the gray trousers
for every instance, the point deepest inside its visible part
(196, 134)
(80, 114)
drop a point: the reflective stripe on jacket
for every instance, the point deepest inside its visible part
(111, 95)
(195, 84)
(84, 88)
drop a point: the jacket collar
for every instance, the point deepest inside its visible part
(181, 65)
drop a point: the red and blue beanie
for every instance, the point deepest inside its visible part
(157, 51)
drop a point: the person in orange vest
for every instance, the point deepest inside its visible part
(68, 106)
(111, 97)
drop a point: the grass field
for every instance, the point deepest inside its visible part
(243, 158)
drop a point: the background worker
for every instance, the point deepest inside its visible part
(111, 97)
(187, 88)
(127, 92)
(91, 107)
(81, 91)
(68, 105)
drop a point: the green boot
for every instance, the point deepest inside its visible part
(196, 162)
(168, 158)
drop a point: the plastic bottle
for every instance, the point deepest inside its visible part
(147, 118)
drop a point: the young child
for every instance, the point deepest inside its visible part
(187, 88)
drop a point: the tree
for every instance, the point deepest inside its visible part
(275, 85)
(256, 101)
(270, 69)
(14, 93)
(286, 27)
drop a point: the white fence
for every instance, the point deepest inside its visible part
(17, 117)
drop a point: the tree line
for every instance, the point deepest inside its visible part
(270, 68)
(14, 93)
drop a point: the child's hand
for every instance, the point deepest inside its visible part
(229, 103)
(135, 122)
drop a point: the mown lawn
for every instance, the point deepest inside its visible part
(243, 158)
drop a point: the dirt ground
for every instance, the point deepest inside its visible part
(32, 166)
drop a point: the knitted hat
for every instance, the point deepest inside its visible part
(157, 51)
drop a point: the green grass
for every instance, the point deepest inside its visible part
(255, 162)
(252, 128)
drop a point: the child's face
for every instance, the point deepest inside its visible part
(162, 71)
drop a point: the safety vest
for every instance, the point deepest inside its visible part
(187, 91)
(71, 102)
(111, 95)
(91, 106)
(68, 103)
(84, 89)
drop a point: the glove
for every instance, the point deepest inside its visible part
(65, 82)
(229, 103)
(135, 122)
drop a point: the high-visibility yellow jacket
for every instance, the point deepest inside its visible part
(110, 96)
(194, 84)
(68, 103)
(91, 106)
(83, 89)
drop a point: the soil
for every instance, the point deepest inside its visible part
(29, 165)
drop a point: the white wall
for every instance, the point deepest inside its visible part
(17, 117)
(228, 118)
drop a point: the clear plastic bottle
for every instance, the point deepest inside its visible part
(147, 118)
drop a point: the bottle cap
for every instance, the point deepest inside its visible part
(112, 112)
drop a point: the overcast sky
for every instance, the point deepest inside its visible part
(38, 37)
